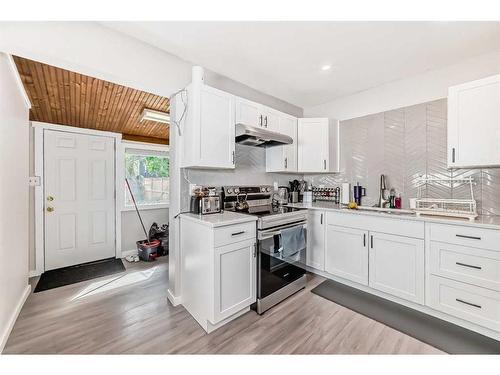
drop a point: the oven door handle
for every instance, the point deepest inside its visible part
(268, 234)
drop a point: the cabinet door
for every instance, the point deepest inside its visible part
(312, 145)
(235, 278)
(216, 129)
(474, 123)
(315, 252)
(346, 253)
(248, 113)
(397, 266)
(284, 158)
(271, 119)
(288, 126)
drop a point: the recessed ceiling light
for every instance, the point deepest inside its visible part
(326, 67)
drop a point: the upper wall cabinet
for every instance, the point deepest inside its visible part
(255, 114)
(283, 158)
(474, 123)
(207, 139)
(318, 145)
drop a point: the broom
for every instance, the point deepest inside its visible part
(137, 210)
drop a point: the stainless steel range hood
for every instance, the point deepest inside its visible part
(255, 136)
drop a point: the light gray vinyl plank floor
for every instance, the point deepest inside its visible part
(129, 313)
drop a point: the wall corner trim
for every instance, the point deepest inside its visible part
(19, 81)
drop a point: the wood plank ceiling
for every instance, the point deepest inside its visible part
(59, 96)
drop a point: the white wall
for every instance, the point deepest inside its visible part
(14, 143)
(422, 88)
(132, 229)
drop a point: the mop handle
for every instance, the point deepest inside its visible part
(137, 210)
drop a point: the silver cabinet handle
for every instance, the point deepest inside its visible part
(260, 120)
(233, 157)
(286, 163)
(265, 121)
(255, 250)
(321, 219)
(364, 239)
(238, 233)
(371, 242)
(468, 237)
(453, 155)
(468, 265)
(468, 303)
(324, 164)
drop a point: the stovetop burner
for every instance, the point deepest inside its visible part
(268, 210)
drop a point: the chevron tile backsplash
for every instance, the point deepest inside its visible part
(403, 144)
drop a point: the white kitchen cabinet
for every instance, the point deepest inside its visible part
(272, 119)
(283, 158)
(256, 114)
(346, 253)
(235, 278)
(317, 145)
(315, 254)
(474, 123)
(207, 134)
(248, 112)
(396, 265)
(218, 267)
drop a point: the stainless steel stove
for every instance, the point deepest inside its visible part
(279, 274)
(260, 201)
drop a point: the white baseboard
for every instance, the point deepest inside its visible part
(34, 273)
(129, 252)
(175, 301)
(13, 318)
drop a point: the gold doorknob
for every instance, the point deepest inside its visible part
(50, 209)
(50, 198)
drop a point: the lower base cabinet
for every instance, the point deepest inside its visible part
(396, 266)
(235, 278)
(346, 253)
(315, 254)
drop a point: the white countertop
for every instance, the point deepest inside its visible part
(221, 219)
(482, 221)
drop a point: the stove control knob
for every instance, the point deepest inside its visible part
(236, 190)
(268, 189)
(262, 189)
(230, 191)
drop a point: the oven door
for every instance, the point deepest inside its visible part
(274, 270)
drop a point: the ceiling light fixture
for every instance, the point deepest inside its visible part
(326, 67)
(152, 115)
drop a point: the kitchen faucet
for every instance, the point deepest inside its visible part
(382, 200)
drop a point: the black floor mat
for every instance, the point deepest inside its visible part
(74, 274)
(443, 335)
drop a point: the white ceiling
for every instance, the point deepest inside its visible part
(284, 59)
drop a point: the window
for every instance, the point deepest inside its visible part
(147, 172)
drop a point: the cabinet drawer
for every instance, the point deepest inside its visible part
(466, 236)
(382, 224)
(477, 305)
(471, 265)
(234, 233)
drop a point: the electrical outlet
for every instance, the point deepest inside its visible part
(34, 181)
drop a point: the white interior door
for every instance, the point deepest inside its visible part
(79, 174)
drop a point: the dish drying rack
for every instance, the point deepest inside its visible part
(465, 208)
